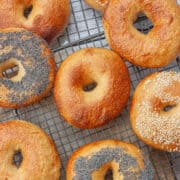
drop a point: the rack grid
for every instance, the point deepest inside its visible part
(85, 30)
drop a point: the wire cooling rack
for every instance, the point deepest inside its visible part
(85, 30)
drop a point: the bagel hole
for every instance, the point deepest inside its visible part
(89, 87)
(27, 11)
(168, 108)
(10, 72)
(142, 23)
(17, 158)
(109, 175)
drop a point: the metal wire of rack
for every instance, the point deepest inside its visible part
(85, 30)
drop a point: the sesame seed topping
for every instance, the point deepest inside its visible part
(154, 123)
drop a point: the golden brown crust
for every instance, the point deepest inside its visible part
(40, 157)
(99, 5)
(149, 121)
(47, 18)
(99, 106)
(88, 150)
(156, 49)
(46, 52)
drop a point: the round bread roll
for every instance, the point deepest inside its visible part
(47, 18)
(92, 161)
(92, 87)
(157, 48)
(40, 159)
(155, 111)
(36, 68)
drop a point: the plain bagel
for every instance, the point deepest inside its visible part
(40, 158)
(46, 18)
(157, 48)
(92, 87)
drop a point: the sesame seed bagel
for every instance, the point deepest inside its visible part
(46, 18)
(40, 159)
(92, 161)
(92, 87)
(155, 111)
(99, 5)
(36, 68)
(157, 48)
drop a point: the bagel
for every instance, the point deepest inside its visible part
(105, 74)
(35, 76)
(155, 111)
(93, 160)
(157, 48)
(46, 18)
(40, 159)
